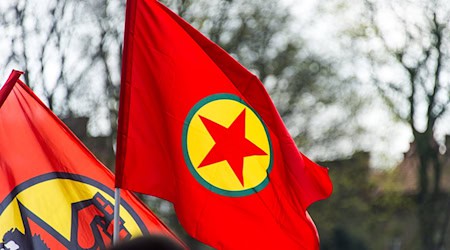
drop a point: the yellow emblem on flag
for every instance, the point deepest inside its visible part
(227, 146)
(63, 211)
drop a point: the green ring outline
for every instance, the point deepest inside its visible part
(187, 159)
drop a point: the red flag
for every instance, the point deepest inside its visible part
(198, 129)
(54, 193)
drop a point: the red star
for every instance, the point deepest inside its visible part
(230, 145)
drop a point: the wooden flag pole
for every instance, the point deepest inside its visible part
(116, 216)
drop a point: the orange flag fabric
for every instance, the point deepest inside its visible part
(198, 129)
(54, 194)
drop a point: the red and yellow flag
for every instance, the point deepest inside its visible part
(198, 129)
(54, 194)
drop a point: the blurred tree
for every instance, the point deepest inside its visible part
(70, 53)
(108, 20)
(20, 25)
(406, 43)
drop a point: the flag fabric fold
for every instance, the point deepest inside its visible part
(198, 129)
(54, 193)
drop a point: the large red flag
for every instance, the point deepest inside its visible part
(54, 194)
(198, 129)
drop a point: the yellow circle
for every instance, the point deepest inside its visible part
(52, 201)
(199, 142)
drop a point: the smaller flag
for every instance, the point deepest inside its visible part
(54, 194)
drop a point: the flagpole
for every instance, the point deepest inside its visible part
(116, 216)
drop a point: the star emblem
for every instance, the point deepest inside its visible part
(231, 145)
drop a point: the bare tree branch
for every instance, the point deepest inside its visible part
(437, 32)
